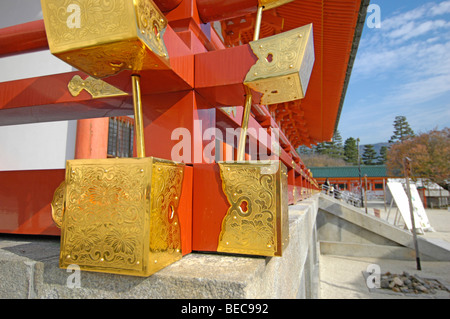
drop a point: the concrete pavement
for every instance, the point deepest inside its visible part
(342, 277)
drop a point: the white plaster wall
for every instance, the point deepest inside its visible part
(37, 146)
(41, 145)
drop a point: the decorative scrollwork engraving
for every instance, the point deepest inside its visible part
(152, 25)
(253, 224)
(98, 18)
(58, 204)
(105, 37)
(121, 215)
(284, 65)
(95, 87)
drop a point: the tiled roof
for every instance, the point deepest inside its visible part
(348, 171)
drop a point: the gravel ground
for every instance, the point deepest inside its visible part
(343, 277)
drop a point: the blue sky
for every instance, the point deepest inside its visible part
(402, 68)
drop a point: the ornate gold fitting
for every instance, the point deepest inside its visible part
(284, 66)
(119, 215)
(103, 38)
(257, 222)
(270, 4)
(95, 87)
(116, 215)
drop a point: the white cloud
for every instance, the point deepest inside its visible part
(404, 30)
(401, 69)
(405, 41)
(397, 21)
(412, 30)
(421, 91)
(441, 8)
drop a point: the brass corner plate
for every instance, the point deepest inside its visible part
(103, 38)
(284, 66)
(120, 215)
(95, 87)
(257, 222)
(57, 204)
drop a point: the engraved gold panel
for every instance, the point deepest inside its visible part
(257, 221)
(58, 204)
(284, 66)
(104, 37)
(120, 215)
(95, 87)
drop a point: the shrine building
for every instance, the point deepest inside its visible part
(142, 131)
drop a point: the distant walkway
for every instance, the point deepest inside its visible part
(342, 277)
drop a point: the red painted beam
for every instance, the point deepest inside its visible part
(219, 75)
(167, 5)
(47, 98)
(22, 38)
(25, 198)
(217, 10)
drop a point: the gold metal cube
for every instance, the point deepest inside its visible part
(102, 38)
(257, 222)
(284, 66)
(120, 215)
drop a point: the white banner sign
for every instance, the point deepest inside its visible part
(401, 200)
(418, 208)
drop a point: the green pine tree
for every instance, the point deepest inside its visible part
(333, 149)
(382, 157)
(351, 151)
(336, 146)
(369, 155)
(304, 150)
(402, 130)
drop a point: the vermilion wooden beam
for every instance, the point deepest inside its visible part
(217, 10)
(22, 38)
(47, 98)
(219, 75)
(218, 79)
